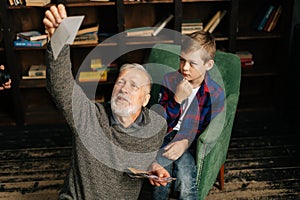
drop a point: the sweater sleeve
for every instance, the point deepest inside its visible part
(67, 95)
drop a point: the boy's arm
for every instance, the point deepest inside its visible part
(171, 107)
(193, 125)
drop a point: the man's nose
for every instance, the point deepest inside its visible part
(125, 88)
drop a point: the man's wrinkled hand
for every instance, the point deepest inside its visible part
(161, 173)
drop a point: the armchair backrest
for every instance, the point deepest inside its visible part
(213, 143)
(163, 58)
(229, 67)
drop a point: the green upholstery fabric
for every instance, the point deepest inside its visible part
(212, 148)
(163, 58)
(213, 143)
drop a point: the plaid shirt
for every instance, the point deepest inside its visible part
(210, 101)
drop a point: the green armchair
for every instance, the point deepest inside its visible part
(213, 143)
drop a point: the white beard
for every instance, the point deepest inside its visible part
(122, 110)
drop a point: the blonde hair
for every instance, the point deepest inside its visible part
(200, 40)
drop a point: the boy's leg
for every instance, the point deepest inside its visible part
(185, 171)
(162, 193)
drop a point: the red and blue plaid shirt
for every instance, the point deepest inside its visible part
(208, 102)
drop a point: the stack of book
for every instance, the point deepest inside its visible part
(190, 26)
(16, 2)
(268, 17)
(36, 72)
(246, 58)
(88, 35)
(98, 71)
(215, 21)
(30, 39)
(149, 31)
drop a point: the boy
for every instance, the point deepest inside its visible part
(191, 99)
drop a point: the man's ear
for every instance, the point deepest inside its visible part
(209, 64)
(146, 100)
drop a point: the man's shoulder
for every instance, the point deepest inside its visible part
(155, 112)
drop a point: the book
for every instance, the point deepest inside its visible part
(275, 19)
(84, 30)
(149, 31)
(246, 58)
(162, 24)
(249, 63)
(191, 25)
(93, 76)
(37, 70)
(212, 20)
(192, 22)
(244, 54)
(86, 38)
(31, 35)
(18, 2)
(11, 2)
(96, 64)
(26, 43)
(141, 31)
(265, 17)
(38, 3)
(271, 18)
(217, 21)
(33, 77)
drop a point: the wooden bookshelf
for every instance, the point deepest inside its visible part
(29, 102)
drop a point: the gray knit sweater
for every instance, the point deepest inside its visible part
(101, 150)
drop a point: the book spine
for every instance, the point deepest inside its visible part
(212, 20)
(11, 2)
(247, 63)
(94, 76)
(217, 21)
(271, 18)
(140, 32)
(275, 19)
(37, 73)
(162, 25)
(265, 18)
(27, 44)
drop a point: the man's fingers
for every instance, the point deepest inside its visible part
(49, 20)
(62, 11)
(55, 18)
(48, 24)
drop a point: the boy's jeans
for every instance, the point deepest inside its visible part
(184, 169)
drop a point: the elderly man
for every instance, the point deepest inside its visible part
(107, 138)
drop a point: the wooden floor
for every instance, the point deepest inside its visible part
(263, 161)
